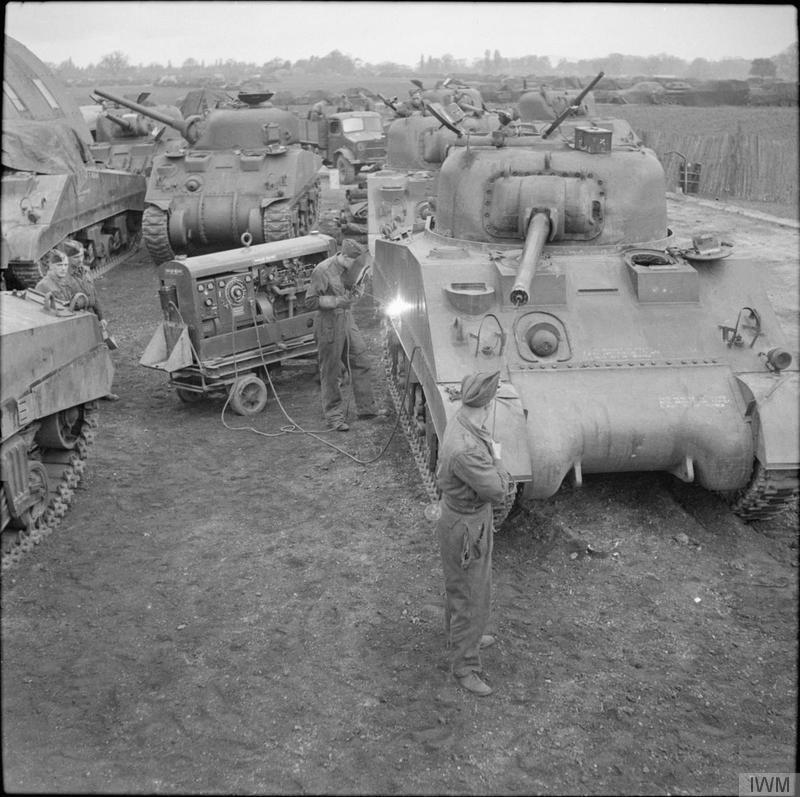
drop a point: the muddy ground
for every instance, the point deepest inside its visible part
(232, 606)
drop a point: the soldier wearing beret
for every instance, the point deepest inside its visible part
(67, 281)
(472, 480)
(339, 340)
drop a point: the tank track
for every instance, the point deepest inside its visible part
(156, 235)
(768, 492)
(283, 220)
(121, 257)
(418, 444)
(28, 274)
(281, 223)
(65, 468)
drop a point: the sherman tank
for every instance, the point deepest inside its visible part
(549, 258)
(56, 366)
(128, 141)
(401, 196)
(243, 177)
(52, 189)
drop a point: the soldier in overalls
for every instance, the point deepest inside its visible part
(472, 480)
(339, 340)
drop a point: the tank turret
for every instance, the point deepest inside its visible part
(186, 127)
(546, 254)
(243, 177)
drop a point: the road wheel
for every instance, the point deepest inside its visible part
(347, 172)
(61, 430)
(38, 486)
(248, 395)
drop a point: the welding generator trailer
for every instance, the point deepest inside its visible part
(229, 316)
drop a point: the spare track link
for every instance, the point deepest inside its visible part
(65, 468)
(283, 220)
(280, 222)
(767, 494)
(417, 442)
(155, 231)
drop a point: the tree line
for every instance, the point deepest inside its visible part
(784, 66)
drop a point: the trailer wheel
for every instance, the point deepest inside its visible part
(188, 396)
(347, 172)
(248, 395)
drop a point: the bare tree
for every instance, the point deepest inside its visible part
(114, 62)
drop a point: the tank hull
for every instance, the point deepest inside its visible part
(55, 367)
(641, 377)
(210, 199)
(39, 211)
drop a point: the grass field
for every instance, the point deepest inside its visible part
(779, 124)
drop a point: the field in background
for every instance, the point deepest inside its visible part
(747, 155)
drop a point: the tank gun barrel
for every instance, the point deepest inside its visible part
(466, 106)
(387, 102)
(575, 105)
(535, 237)
(123, 123)
(186, 127)
(127, 125)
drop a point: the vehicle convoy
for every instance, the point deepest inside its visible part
(549, 258)
(230, 316)
(55, 368)
(243, 176)
(352, 141)
(129, 141)
(52, 189)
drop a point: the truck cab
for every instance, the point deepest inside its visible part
(352, 141)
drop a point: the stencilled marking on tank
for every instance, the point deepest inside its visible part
(607, 355)
(690, 402)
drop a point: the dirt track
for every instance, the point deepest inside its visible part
(228, 612)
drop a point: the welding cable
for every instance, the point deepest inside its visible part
(296, 428)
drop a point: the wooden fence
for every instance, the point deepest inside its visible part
(742, 165)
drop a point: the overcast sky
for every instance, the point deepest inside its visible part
(256, 32)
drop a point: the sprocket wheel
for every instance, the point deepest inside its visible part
(767, 493)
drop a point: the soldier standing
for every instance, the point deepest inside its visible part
(339, 340)
(472, 480)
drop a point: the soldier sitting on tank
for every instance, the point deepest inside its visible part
(462, 99)
(366, 102)
(59, 282)
(413, 105)
(75, 290)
